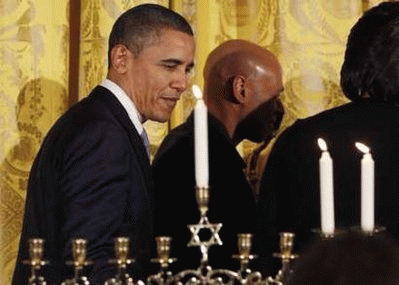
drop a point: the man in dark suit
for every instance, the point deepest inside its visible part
(92, 176)
(242, 86)
(290, 186)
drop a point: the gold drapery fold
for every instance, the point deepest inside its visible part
(308, 37)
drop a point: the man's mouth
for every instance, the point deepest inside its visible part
(170, 101)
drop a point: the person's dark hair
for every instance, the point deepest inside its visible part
(352, 258)
(372, 45)
(138, 24)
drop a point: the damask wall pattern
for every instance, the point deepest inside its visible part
(308, 37)
(33, 94)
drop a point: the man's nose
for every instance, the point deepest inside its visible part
(180, 81)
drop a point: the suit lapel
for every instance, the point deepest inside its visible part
(117, 110)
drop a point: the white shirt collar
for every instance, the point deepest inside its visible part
(126, 102)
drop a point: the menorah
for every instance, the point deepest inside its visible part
(204, 274)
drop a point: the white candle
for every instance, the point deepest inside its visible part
(367, 188)
(326, 190)
(201, 140)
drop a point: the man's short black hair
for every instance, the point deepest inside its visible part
(135, 26)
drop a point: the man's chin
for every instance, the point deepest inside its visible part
(160, 118)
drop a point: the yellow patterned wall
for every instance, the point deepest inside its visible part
(33, 93)
(308, 36)
(310, 42)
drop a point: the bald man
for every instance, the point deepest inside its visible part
(242, 86)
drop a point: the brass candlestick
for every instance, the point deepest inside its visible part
(244, 252)
(204, 274)
(121, 246)
(79, 252)
(245, 275)
(163, 250)
(202, 196)
(36, 249)
(286, 256)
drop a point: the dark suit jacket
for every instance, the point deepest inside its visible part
(231, 199)
(91, 179)
(290, 191)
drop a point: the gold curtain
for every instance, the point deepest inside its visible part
(308, 36)
(33, 93)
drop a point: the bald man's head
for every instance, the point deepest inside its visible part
(242, 84)
(238, 58)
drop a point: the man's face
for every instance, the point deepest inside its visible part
(157, 77)
(266, 111)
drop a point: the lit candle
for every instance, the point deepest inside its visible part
(201, 139)
(367, 188)
(326, 190)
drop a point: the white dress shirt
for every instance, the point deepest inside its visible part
(126, 102)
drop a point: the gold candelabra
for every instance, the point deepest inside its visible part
(204, 274)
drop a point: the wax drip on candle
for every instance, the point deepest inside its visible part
(367, 188)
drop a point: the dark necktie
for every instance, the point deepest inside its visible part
(144, 136)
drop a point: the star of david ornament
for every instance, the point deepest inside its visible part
(205, 224)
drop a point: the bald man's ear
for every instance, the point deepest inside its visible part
(119, 57)
(239, 91)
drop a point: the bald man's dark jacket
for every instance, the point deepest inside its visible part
(91, 179)
(231, 199)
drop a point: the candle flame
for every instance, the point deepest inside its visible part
(362, 147)
(322, 144)
(196, 91)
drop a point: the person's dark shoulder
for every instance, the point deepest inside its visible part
(323, 119)
(178, 141)
(317, 124)
(301, 137)
(99, 105)
(350, 112)
(88, 123)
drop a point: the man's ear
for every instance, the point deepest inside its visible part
(240, 93)
(119, 57)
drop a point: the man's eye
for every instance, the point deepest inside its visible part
(170, 66)
(189, 70)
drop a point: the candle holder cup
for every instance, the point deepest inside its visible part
(36, 261)
(244, 252)
(286, 255)
(324, 235)
(79, 253)
(376, 230)
(202, 197)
